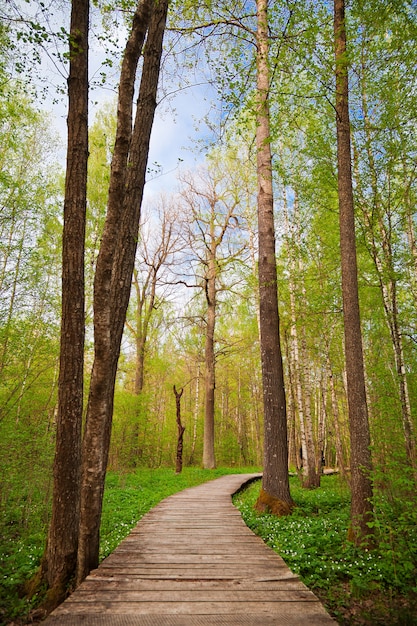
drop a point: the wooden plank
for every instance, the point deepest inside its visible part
(193, 595)
(120, 583)
(310, 618)
(191, 560)
(188, 608)
(194, 572)
(158, 557)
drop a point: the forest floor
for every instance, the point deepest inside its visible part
(373, 608)
(359, 588)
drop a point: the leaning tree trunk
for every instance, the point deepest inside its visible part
(59, 562)
(115, 265)
(275, 493)
(361, 485)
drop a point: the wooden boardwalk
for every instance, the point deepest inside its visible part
(192, 561)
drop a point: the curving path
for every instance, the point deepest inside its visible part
(192, 561)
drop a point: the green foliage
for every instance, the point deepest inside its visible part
(313, 542)
(29, 336)
(26, 452)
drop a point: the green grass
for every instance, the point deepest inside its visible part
(357, 586)
(127, 497)
(377, 587)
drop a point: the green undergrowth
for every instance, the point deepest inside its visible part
(372, 587)
(128, 496)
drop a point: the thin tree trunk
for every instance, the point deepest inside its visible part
(340, 456)
(313, 477)
(275, 493)
(411, 235)
(137, 332)
(293, 456)
(255, 395)
(181, 429)
(361, 466)
(321, 427)
(115, 266)
(389, 297)
(12, 298)
(195, 414)
(299, 357)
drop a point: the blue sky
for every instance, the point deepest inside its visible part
(173, 141)
(176, 125)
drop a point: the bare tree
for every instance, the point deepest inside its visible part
(212, 207)
(158, 244)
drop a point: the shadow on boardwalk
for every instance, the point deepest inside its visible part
(192, 561)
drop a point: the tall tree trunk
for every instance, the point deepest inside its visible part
(255, 398)
(212, 226)
(209, 461)
(59, 562)
(411, 235)
(361, 466)
(275, 493)
(388, 287)
(15, 281)
(115, 265)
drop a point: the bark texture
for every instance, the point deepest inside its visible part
(60, 559)
(275, 476)
(209, 460)
(116, 262)
(361, 485)
(180, 428)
